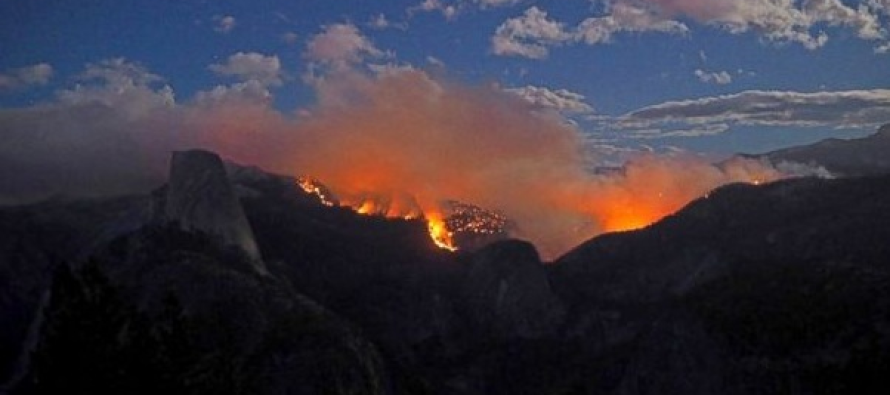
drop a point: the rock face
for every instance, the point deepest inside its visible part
(200, 197)
(508, 291)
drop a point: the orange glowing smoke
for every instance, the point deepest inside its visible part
(400, 142)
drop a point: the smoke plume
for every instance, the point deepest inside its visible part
(398, 139)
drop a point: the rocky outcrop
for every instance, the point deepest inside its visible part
(200, 197)
(508, 292)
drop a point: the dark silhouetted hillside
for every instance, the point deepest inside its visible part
(854, 157)
(772, 289)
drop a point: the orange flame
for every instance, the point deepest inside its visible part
(442, 237)
(405, 208)
(311, 187)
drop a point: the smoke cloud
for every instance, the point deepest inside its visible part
(398, 136)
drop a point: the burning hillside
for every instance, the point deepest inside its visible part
(635, 197)
(454, 225)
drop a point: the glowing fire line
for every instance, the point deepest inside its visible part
(439, 232)
(438, 229)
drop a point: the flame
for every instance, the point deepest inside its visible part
(405, 208)
(621, 222)
(312, 187)
(439, 233)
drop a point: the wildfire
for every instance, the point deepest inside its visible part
(436, 223)
(467, 218)
(439, 232)
(628, 221)
(313, 187)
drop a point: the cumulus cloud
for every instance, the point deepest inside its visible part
(713, 77)
(779, 21)
(624, 18)
(38, 74)
(561, 100)
(127, 86)
(529, 35)
(248, 66)
(449, 11)
(838, 109)
(224, 23)
(784, 21)
(239, 93)
(340, 44)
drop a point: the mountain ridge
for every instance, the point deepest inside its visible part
(853, 157)
(373, 305)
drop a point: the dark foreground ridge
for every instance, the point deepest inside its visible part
(231, 280)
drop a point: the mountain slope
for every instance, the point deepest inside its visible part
(855, 157)
(120, 276)
(779, 288)
(754, 289)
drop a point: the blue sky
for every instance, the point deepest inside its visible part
(715, 76)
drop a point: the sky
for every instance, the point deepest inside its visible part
(714, 76)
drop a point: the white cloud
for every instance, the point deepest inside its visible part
(122, 84)
(713, 77)
(247, 92)
(853, 109)
(38, 74)
(528, 35)
(251, 66)
(382, 22)
(449, 11)
(777, 20)
(379, 22)
(531, 34)
(496, 3)
(341, 44)
(625, 18)
(802, 22)
(290, 37)
(561, 100)
(224, 24)
(434, 61)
